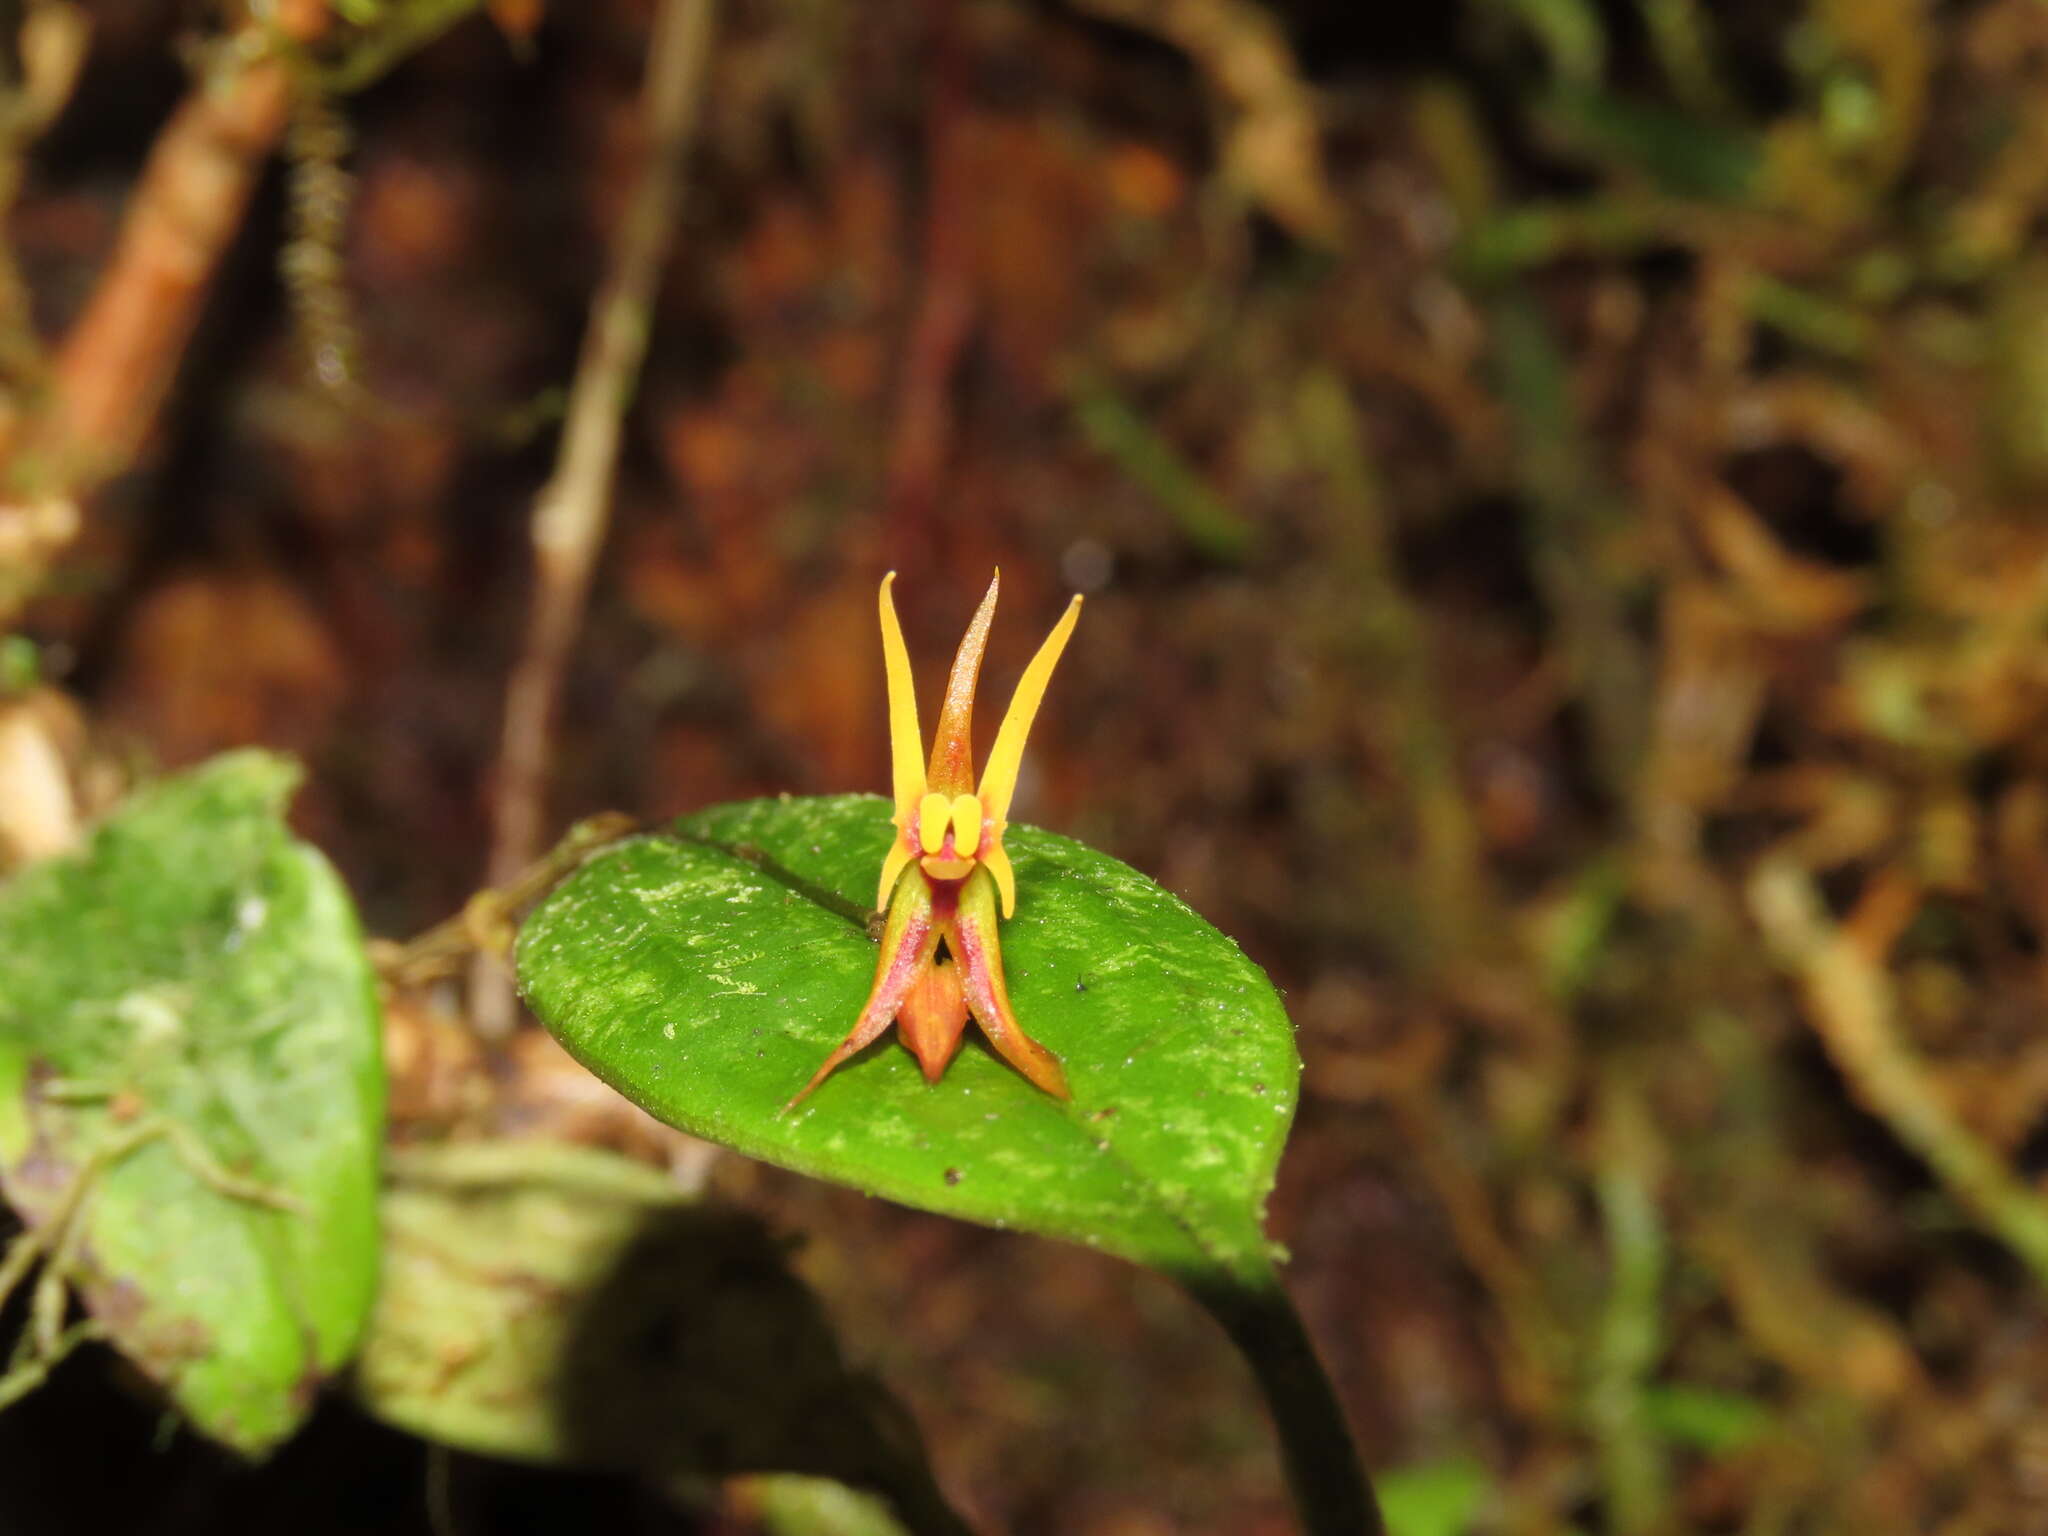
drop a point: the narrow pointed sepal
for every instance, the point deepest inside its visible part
(906, 746)
(909, 942)
(934, 1017)
(999, 777)
(893, 865)
(951, 771)
(972, 939)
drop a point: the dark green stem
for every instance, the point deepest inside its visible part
(1330, 1487)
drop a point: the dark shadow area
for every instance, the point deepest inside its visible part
(704, 1356)
(95, 1454)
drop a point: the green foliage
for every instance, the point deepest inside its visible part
(380, 34)
(488, 1250)
(1678, 151)
(705, 975)
(189, 1041)
(1436, 1498)
(20, 664)
(1703, 1419)
(1117, 431)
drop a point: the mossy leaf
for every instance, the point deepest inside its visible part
(186, 1010)
(705, 974)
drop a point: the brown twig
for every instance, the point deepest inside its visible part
(485, 921)
(1849, 1000)
(570, 515)
(118, 360)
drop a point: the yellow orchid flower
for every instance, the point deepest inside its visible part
(946, 870)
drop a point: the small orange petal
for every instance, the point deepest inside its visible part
(934, 1017)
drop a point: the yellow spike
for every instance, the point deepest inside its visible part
(966, 816)
(952, 763)
(906, 746)
(933, 812)
(999, 778)
(997, 858)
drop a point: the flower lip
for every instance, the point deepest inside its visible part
(948, 835)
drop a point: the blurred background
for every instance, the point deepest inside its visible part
(1562, 491)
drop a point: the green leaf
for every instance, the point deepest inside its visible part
(1679, 151)
(705, 976)
(1436, 1498)
(789, 1505)
(1114, 429)
(559, 1304)
(20, 664)
(1705, 1419)
(192, 987)
(489, 1249)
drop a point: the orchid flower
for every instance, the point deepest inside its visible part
(946, 869)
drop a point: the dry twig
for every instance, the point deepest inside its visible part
(570, 515)
(1849, 1000)
(1272, 144)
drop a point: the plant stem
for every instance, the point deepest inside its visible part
(1850, 1001)
(1330, 1487)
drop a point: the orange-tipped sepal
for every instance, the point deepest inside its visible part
(972, 939)
(909, 941)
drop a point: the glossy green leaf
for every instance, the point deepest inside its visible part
(192, 988)
(706, 974)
